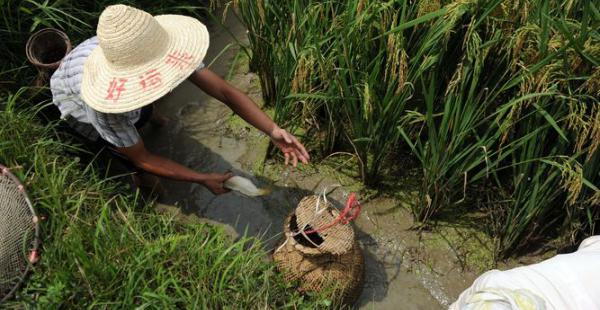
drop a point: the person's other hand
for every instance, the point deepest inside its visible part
(214, 182)
(290, 146)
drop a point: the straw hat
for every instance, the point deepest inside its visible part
(140, 58)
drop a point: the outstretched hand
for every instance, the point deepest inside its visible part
(290, 146)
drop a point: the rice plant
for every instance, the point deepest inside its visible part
(495, 94)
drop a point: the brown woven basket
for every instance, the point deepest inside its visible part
(342, 273)
(337, 239)
(45, 50)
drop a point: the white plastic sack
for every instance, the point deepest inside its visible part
(566, 281)
(503, 299)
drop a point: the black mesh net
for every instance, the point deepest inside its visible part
(17, 233)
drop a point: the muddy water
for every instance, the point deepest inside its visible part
(401, 272)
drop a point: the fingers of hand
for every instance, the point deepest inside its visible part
(221, 184)
(304, 152)
(301, 156)
(292, 149)
(220, 189)
(301, 149)
(290, 156)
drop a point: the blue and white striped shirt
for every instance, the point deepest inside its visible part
(65, 84)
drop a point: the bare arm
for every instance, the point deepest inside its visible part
(164, 167)
(243, 106)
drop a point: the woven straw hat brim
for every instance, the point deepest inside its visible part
(109, 89)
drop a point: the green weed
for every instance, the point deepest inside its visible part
(104, 247)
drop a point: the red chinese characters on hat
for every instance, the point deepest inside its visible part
(180, 60)
(115, 88)
(150, 80)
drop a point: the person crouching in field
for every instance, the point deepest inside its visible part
(105, 87)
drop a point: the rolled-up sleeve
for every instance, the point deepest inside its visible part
(117, 129)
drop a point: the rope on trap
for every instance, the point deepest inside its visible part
(336, 241)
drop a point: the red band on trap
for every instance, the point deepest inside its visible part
(349, 213)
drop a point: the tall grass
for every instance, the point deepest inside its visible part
(500, 95)
(104, 247)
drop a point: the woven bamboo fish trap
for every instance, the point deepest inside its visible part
(313, 212)
(330, 259)
(45, 50)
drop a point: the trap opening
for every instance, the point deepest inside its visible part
(315, 237)
(47, 48)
